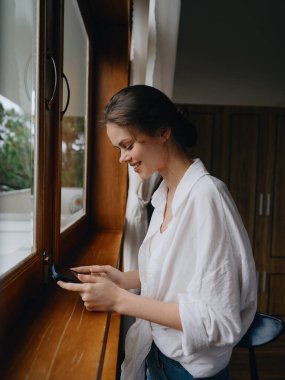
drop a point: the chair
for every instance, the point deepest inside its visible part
(263, 330)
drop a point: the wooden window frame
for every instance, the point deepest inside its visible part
(23, 288)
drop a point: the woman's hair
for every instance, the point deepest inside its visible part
(150, 111)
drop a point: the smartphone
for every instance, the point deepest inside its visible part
(60, 273)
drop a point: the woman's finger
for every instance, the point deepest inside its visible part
(82, 269)
(70, 286)
(88, 278)
(100, 268)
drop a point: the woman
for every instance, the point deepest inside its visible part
(196, 270)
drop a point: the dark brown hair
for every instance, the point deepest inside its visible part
(150, 111)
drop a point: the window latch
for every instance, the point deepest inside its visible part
(46, 262)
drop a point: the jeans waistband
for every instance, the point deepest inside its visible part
(156, 351)
(160, 357)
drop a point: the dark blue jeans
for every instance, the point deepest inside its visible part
(160, 367)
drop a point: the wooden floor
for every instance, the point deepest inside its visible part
(270, 362)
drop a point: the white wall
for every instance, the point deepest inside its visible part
(16, 202)
(231, 53)
(75, 59)
(17, 41)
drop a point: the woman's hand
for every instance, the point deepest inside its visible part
(125, 280)
(97, 292)
(100, 293)
(106, 271)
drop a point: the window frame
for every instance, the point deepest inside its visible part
(27, 280)
(66, 242)
(23, 290)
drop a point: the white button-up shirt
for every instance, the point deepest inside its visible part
(203, 262)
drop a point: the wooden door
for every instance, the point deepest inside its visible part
(207, 122)
(241, 163)
(245, 147)
(273, 224)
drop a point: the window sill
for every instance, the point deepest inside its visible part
(58, 338)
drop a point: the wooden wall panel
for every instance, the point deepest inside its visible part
(276, 295)
(111, 73)
(204, 124)
(278, 198)
(244, 134)
(207, 122)
(246, 146)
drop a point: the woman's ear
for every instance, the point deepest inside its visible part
(165, 134)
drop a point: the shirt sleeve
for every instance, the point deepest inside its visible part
(213, 309)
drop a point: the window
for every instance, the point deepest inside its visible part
(38, 94)
(74, 119)
(43, 143)
(18, 130)
(19, 123)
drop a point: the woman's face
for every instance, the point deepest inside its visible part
(145, 154)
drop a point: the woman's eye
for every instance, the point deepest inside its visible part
(129, 147)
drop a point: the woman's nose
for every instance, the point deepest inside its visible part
(125, 157)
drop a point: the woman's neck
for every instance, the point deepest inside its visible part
(174, 170)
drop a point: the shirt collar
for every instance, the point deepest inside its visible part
(195, 171)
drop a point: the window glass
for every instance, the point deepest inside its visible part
(18, 130)
(74, 121)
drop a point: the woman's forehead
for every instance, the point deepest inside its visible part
(119, 135)
(116, 132)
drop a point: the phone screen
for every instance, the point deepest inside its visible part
(60, 273)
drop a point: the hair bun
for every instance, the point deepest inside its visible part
(185, 132)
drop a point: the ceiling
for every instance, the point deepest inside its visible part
(231, 52)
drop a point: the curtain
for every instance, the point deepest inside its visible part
(153, 56)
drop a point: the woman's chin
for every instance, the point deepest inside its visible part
(144, 175)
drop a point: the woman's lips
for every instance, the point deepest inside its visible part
(136, 166)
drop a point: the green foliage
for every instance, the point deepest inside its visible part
(73, 151)
(16, 151)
